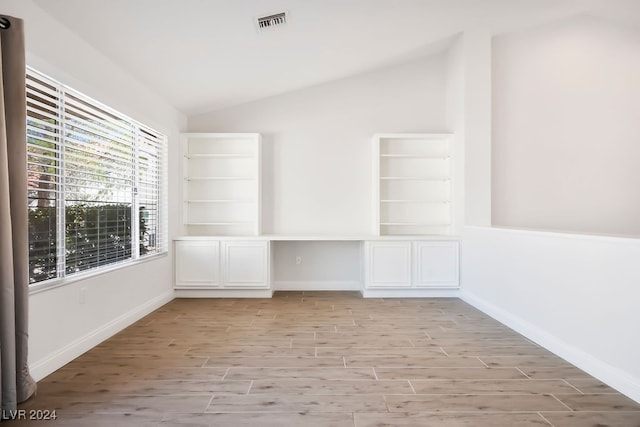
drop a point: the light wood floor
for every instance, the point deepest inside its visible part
(325, 359)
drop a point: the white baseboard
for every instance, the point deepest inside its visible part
(614, 377)
(306, 285)
(48, 364)
(223, 293)
(410, 293)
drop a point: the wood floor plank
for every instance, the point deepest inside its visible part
(105, 404)
(590, 385)
(448, 373)
(413, 362)
(447, 420)
(599, 402)
(279, 419)
(379, 351)
(297, 403)
(301, 373)
(485, 386)
(217, 350)
(352, 342)
(145, 387)
(593, 419)
(276, 362)
(552, 373)
(524, 362)
(473, 403)
(330, 387)
(66, 419)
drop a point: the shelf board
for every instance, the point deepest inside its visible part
(412, 178)
(221, 155)
(321, 237)
(220, 201)
(415, 156)
(422, 224)
(415, 201)
(221, 223)
(220, 178)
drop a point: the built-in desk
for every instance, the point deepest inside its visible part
(256, 266)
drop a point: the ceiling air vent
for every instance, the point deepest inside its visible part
(272, 21)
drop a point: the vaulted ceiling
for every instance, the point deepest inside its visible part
(202, 55)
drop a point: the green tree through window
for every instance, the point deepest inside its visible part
(94, 179)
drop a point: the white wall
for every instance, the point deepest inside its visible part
(325, 265)
(476, 108)
(455, 116)
(566, 103)
(60, 327)
(576, 295)
(317, 142)
(468, 113)
(565, 110)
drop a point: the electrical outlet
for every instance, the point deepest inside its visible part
(298, 260)
(83, 295)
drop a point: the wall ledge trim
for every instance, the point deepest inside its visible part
(634, 240)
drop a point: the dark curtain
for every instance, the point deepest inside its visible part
(16, 385)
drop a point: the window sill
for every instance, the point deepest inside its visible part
(50, 284)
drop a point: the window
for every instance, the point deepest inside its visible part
(95, 182)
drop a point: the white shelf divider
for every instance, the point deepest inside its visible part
(222, 155)
(221, 178)
(221, 201)
(412, 184)
(222, 184)
(414, 156)
(415, 201)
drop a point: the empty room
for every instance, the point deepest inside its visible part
(320, 213)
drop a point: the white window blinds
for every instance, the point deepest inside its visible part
(95, 183)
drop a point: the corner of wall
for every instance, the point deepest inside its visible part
(50, 363)
(606, 373)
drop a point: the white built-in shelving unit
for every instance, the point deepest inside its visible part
(222, 185)
(221, 198)
(411, 252)
(412, 184)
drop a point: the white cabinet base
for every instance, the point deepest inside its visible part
(410, 293)
(223, 293)
(241, 268)
(316, 285)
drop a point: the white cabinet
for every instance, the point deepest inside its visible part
(226, 264)
(245, 264)
(411, 264)
(221, 191)
(436, 264)
(412, 184)
(388, 264)
(197, 264)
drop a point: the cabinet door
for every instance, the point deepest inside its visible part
(245, 264)
(388, 264)
(197, 263)
(436, 264)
